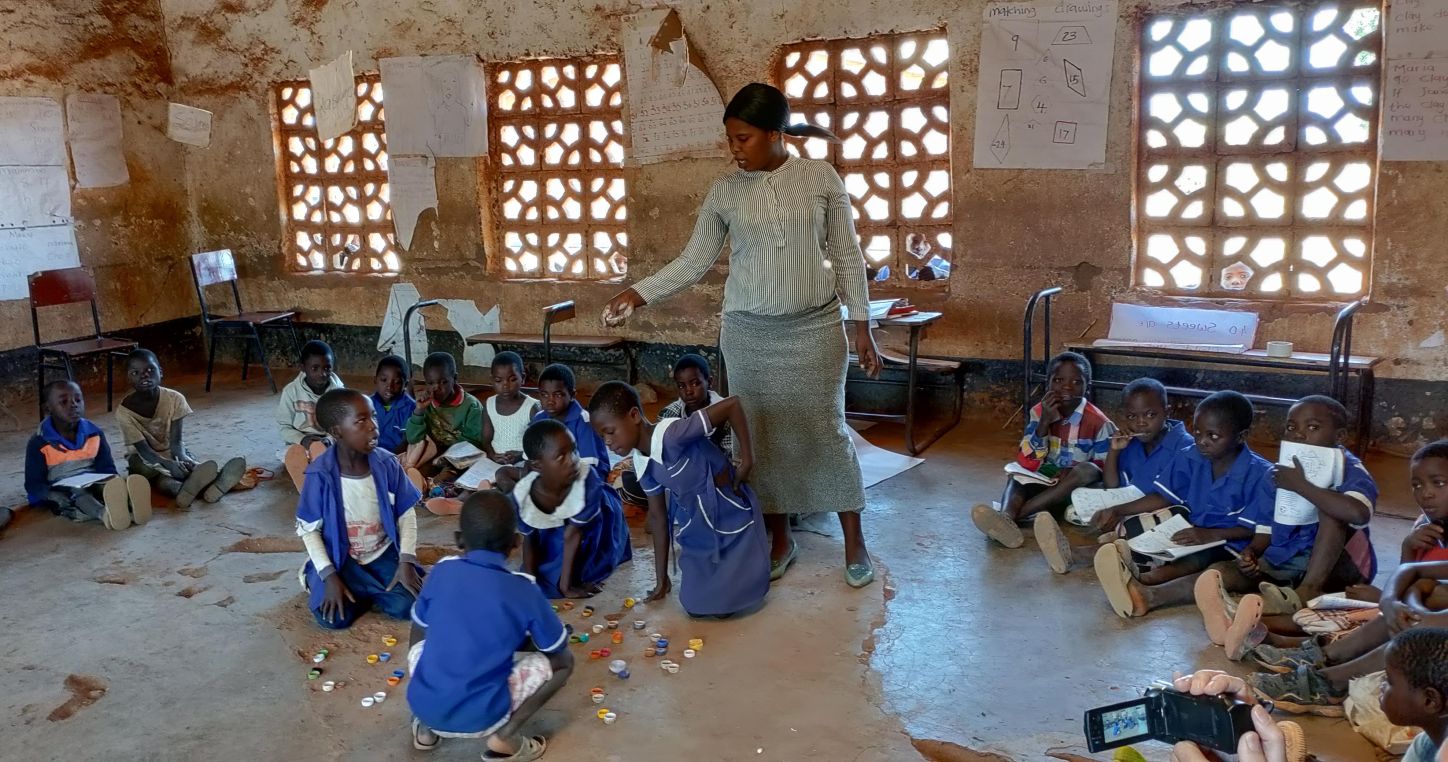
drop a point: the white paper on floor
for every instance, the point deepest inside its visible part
(878, 464)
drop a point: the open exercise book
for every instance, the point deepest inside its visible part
(462, 455)
(482, 470)
(1086, 502)
(1157, 543)
(80, 481)
(1323, 467)
(1025, 475)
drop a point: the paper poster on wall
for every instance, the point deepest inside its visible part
(34, 196)
(185, 124)
(412, 187)
(436, 105)
(31, 250)
(93, 126)
(334, 97)
(675, 110)
(1415, 111)
(31, 132)
(402, 296)
(1417, 29)
(468, 320)
(1045, 84)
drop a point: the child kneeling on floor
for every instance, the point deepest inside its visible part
(1066, 441)
(151, 418)
(723, 551)
(574, 534)
(356, 518)
(487, 649)
(297, 409)
(69, 447)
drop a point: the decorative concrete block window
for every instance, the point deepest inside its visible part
(888, 99)
(559, 195)
(334, 193)
(1257, 151)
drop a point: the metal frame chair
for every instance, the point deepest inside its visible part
(210, 268)
(72, 285)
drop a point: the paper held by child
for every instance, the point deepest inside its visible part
(1158, 542)
(1338, 602)
(1025, 475)
(80, 481)
(482, 470)
(1323, 467)
(462, 454)
(1086, 502)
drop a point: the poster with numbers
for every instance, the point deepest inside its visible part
(1044, 90)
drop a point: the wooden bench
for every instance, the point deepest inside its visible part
(1337, 364)
(552, 315)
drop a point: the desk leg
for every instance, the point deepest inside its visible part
(1365, 409)
(910, 392)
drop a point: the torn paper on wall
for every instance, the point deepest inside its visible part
(402, 296)
(34, 196)
(467, 320)
(93, 125)
(334, 97)
(30, 250)
(436, 105)
(412, 187)
(31, 132)
(675, 110)
(188, 125)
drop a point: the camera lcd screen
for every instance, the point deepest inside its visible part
(1124, 724)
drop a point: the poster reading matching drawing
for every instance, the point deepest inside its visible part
(1045, 84)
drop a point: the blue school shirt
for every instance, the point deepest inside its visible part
(1134, 467)
(1291, 540)
(392, 421)
(320, 506)
(1243, 497)
(476, 614)
(589, 443)
(597, 512)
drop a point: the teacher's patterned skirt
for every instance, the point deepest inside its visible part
(789, 371)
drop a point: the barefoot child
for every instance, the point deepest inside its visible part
(67, 446)
(1227, 492)
(487, 649)
(445, 415)
(392, 403)
(723, 551)
(572, 524)
(557, 394)
(356, 518)
(507, 413)
(1067, 439)
(696, 392)
(150, 418)
(297, 409)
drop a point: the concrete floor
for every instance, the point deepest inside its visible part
(194, 628)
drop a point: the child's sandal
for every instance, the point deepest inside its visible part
(417, 742)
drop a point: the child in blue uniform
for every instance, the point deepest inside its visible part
(487, 650)
(392, 404)
(356, 519)
(1227, 491)
(573, 526)
(557, 389)
(723, 551)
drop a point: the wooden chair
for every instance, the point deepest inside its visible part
(53, 288)
(210, 268)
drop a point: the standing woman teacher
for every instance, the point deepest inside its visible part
(793, 258)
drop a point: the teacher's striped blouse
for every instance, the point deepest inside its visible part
(792, 243)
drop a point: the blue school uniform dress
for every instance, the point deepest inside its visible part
(589, 443)
(392, 420)
(597, 513)
(1244, 497)
(723, 553)
(1290, 541)
(476, 614)
(320, 508)
(1138, 468)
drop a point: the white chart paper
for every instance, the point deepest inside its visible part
(334, 97)
(93, 124)
(188, 125)
(31, 132)
(412, 187)
(29, 250)
(436, 105)
(675, 110)
(1417, 29)
(34, 196)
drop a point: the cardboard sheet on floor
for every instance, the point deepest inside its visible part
(93, 125)
(878, 464)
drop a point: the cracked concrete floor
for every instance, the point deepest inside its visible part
(188, 638)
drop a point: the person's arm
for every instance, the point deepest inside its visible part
(1423, 538)
(1111, 472)
(703, 249)
(37, 474)
(1101, 444)
(659, 528)
(1251, 555)
(1032, 452)
(416, 428)
(104, 462)
(1343, 507)
(471, 428)
(485, 441)
(730, 410)
(150, 457)
(847, 263)
(286, 416)
(572, 539)
(1265, 743)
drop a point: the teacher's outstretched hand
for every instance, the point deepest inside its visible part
(621, 306)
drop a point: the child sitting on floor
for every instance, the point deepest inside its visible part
(150, 418)
(572, 524)
(487, 649)
(1139, 454)
(1416, 692)
(507, 413)
(723, 551)
(557, 394)
(1226, 492)
(297, 409)
(67, 446)
(1066, 440)
(392, 403)
(696, 392)
(356, 519)
(445, 415)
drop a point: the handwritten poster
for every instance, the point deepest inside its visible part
(412, 187)
(675, 110)
(334, 97)
(93, 126)
(188, 125)
(31, 132)
(1045, 84)
(1417, 29)
(436, 105)
(1415, 104)
(29, 250)
(34, 196)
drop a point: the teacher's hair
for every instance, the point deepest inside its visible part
(765, 107)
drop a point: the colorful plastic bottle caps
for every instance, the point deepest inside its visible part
(673, 668)
(399, 674)
(610, 718)
(372, 658)
(598, 698)
(623, 675)
(314, 674)
(568, 605)
(574, 639)
(594, 654)
(583, 637)
(555, 608)
(379, 696)
(689, 653)
(628, 603)
(329, 686)
(384, 656)
(661, 643)
(393, 680)
(613, 624)
(639, 624)
(368, 701)
(602, 712)
(604, 652)
(654, 637)
(318, 658)
(597, 628)
(617, 638)
(696, 643)
(650, 652)
(617, 665)
(596, 690)
(389, 641)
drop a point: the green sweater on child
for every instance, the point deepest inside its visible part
(448, 425)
